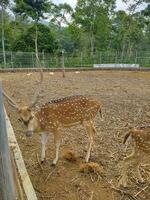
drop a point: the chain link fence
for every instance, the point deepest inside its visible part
(74, 59)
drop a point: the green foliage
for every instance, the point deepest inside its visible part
(126, 31)
(59, 13)
(8, 32)
(93, 26)
(93, 17)
(46, 40)
(4, 3)
(32, 8)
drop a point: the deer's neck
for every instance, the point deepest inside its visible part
(34, 124)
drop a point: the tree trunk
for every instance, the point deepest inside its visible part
(15, 28)
(123, 49)
(130, 49)
(7, 186)
(38, 63)
(92, 43)
(3, 38)
(36, 46)
(62, 53)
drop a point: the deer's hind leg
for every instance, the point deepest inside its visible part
(91, 132)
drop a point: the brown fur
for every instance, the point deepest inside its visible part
(91, 168)
(67, 112)
(58, 114)
(141, 140)
(141, 137)
(70, 156)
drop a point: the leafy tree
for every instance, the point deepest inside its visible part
(89, 14)
(77, 37)
(142, 19)
(59, 16)
(3, 5)
(127, 32)
(93, 24)
(135, 4)
(46, 40)
(35, 9)
(8, 37)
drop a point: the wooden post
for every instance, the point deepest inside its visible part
(7, 186)
(11, 59)
(81, 59)
(43, 57)
(63, 64)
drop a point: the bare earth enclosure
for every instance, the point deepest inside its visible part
(125, 97)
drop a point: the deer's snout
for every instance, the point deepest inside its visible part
(29, 133)
(19, 120)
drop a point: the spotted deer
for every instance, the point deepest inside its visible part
(141, 149)
(56, 115)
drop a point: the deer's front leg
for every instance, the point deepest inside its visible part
(131, 159)
(91, 131)
(140, 157)
(44, 139)
(57, 141)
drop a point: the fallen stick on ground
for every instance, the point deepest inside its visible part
(141, 191)
(49, 175)
(121, 191)
(37, 156)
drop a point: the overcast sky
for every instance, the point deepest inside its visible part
(120, 4)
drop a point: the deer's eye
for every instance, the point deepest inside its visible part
(19, 119)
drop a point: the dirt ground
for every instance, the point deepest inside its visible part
(126, 103)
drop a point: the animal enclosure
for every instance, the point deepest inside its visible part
(125, 99)
(75, 59)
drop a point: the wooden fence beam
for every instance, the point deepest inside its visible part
(7, 186)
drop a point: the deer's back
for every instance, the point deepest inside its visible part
(142, 138)
(70, 110)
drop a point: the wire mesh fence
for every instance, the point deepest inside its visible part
(74, 59)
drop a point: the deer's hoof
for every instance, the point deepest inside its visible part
(122, 183)
(53, 164)
(141, 181)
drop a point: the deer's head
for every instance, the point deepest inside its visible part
(26, 114)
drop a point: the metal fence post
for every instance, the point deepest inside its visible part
(33, 65)
(116, 58)
(135, 57)
(100, 57)
(7, 185)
